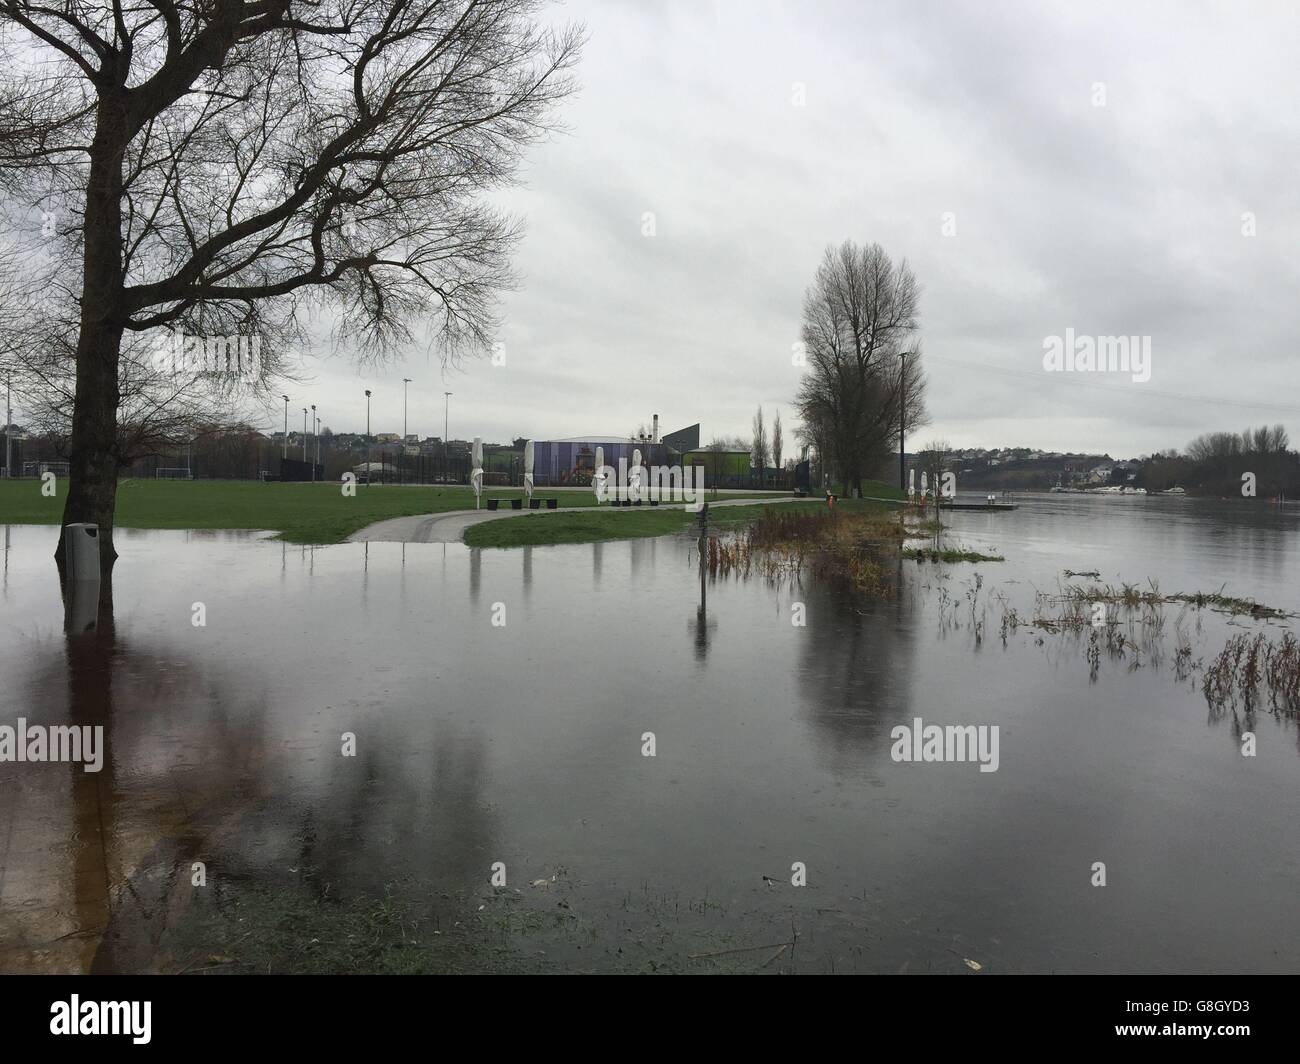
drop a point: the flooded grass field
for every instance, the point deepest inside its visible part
(500, 705)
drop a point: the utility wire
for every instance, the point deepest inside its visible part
(1139, 390)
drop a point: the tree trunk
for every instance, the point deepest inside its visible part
(93, 457)
(92, 461)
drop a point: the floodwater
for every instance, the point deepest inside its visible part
(227, 831)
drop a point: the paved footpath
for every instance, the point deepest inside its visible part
(450, 527)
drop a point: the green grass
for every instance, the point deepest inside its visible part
(321, 513)
(544, 529)
(301, 513)
(949, 555)
(535, 530)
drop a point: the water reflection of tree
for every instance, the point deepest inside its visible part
(856, 670)
(190, 774)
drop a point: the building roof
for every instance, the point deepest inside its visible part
(595, 439)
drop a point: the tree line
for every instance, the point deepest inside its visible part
(1214, 463)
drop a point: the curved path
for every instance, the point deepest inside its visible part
(450, 527)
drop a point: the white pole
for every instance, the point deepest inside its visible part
(9, 419)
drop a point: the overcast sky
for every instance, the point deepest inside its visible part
(1125, 219)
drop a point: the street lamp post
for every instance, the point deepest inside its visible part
(405, 382)
(446, 454)
(286, 428)
(902, 417)
(316, 440)
(9, 420)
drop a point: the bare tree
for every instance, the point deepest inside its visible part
(777, 442)
(758, 449)
(1214, 445)
(1265, 440)
(223, 168)
(859, 326)
(933, 460)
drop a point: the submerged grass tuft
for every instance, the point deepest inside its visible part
(948, 555)
(1250, 667)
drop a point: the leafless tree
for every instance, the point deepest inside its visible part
(758, 448)
(859, 336)
(777, 443)
(934, 461)
(1265, 440)
(235, 167)
(1213, 445)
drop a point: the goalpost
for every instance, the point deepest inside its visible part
(173, 473)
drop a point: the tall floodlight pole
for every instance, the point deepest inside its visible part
(902, 417)
(368, 452)
(446, 454)
(286, 426)
(317, 441)
(9, 420)
(314, 437)
(405, 382)
(304, 434)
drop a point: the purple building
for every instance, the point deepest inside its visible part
(560, 463)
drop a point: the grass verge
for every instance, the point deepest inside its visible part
(546, 529)
(300, 513)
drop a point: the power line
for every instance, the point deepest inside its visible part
(1080, 379)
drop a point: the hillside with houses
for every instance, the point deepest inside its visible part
(1030, 469)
